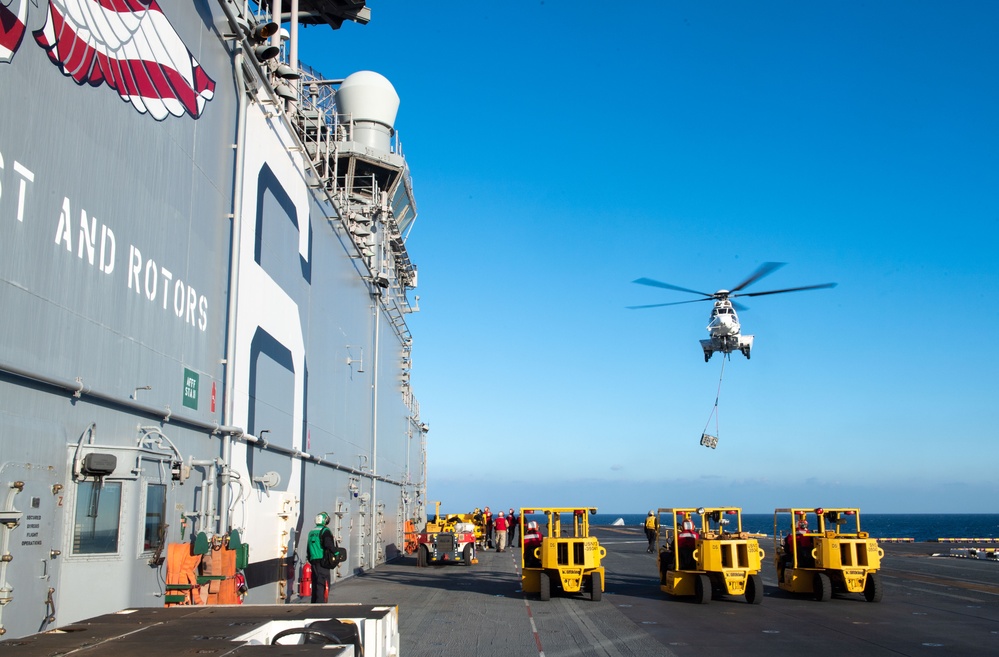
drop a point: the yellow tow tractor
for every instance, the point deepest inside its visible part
(704, 550)
(564, 557)
(446, 539)
(831, 555)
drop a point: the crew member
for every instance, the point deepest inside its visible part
(479, 521)
(499, 525)
(532, 539)
(651, 527)
(321, 542)
(512, 523)
(686, 542)
(803, 544)
(488, 538)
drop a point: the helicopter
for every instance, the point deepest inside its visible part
(723, 326)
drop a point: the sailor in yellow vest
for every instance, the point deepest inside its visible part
(651, 525)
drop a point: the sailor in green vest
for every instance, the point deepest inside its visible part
(321, 543)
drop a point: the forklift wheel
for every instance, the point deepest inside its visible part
(421, 557)
(822, 587)
(754, 590)
(544, 587)
(596, 586)
(873, 589)
(466, 555)
(702, 589)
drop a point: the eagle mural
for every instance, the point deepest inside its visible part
(126, 45)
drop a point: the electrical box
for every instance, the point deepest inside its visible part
(99, 465)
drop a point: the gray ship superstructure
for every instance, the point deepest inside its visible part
(204, 283)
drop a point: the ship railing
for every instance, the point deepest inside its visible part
(319, 128)
(316, 114)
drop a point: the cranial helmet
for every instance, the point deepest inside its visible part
(532, 525)
(323, 518)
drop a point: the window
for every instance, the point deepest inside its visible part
(155, 516)
(98, 507)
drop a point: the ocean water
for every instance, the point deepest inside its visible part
(917, 526)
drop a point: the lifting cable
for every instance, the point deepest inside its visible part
(707, 439)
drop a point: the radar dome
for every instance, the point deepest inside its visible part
(370, 101)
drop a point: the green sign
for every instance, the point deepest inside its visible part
(191, 389)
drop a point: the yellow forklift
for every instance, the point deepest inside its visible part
(704, 550)
(830, 555)
(565, 556)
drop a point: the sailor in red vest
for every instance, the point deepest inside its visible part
(686, 542)
(499, 532)
(532, 539)
(804, 544)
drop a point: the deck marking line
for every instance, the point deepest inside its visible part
(599, 641)
(534, 628)
(530, 613)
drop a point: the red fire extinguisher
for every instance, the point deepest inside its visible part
(305, 581)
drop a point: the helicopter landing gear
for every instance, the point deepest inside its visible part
(745, 352)
(707, 356)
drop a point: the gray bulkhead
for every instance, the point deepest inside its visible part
(116, 231)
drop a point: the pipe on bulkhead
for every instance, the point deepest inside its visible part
(228, 386)
(374, 430)
(207, 513)
(293, 37)
(276, 17)
(6, 590)
(80, 390)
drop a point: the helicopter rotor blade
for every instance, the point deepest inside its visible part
(738, 306)
(788, 289)
(666, 286)
(660, 305)
(765, 269)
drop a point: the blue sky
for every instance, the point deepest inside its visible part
(562, 149)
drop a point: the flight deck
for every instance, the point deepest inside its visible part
(932, 605)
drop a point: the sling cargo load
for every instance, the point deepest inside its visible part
(205, 286)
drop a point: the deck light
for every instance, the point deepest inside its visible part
(286, 91)
(287, 72)
(264, 52)
(264, 31)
